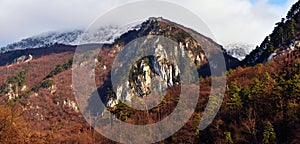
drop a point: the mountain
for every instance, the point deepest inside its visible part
(239, 50)
(106, 34)
(143, 72)
(40, 80)
(284, 39)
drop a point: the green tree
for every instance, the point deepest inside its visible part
(235, 100)
(228, 138)
(269, 135)
(271, 48)
(279, 37)
(291, 28)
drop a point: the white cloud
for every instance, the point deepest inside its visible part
(23, 18)
(229, 20)
(239, 20)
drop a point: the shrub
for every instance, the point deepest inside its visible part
(35, 88)
(47, 83)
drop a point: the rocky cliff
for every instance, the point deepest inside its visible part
(144, 71)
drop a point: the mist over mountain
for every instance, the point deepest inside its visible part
(105, 34)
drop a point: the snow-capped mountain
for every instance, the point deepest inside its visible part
(105, 34)
(239, 50)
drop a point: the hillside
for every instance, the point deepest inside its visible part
(284, 39)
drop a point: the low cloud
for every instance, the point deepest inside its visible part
(229, 20)
(239, 20)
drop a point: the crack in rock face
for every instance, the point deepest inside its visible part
(143, 72)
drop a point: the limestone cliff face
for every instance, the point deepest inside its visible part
(156, 72)
(21, 59)
(147, 72)
(149, 68)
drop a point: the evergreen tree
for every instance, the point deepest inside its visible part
(290, 29)
(271, 48)
(269, 135)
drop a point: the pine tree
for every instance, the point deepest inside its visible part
(271, 48)
(269, 135)
(291, 29)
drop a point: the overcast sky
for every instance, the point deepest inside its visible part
(230, 20)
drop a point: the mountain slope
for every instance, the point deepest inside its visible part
(154, 26)
(44, 91)
(284, 39)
